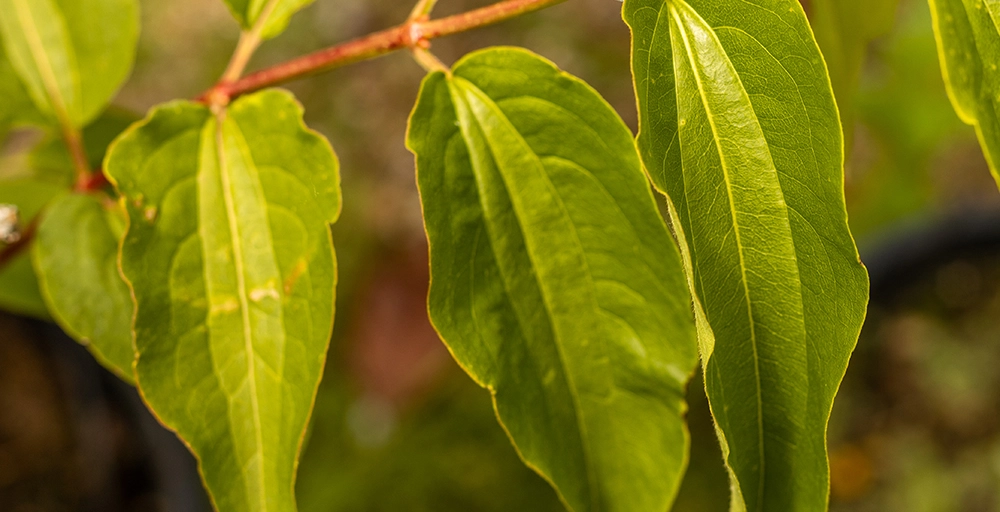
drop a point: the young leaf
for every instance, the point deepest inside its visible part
(554, 280)
(740, 130)
(229, 257)
(18, 284)
(968, 40)
(76, 257)
(72, 55)
(270, 15)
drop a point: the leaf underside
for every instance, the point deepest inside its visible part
(968, 40)
(739, 129)
(229, 257)
(554, 281)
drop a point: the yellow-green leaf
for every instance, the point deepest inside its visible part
(16, 108)
(554, 280)
(968, 39)
(269, 16)
(71, 55)
(738, 127)
(229, 257)
(75, 254)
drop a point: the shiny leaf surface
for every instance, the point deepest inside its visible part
(739, 129)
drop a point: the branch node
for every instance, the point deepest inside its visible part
(413, 35)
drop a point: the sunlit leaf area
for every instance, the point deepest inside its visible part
(543, 147)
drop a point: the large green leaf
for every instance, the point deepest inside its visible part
(76, 257)
(19, 291)
(968, 38)
(844, 29)
(555, 282)
(229, 257)
(739, 128)
(72, 55)
(269, 16)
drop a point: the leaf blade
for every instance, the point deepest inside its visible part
(71, 55)
(271, 17)
(719, 81)
(968, 41)
(521, 167)
(221, 348)
(76, 257)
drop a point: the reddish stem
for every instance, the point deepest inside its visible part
(96, 181)
(412, 34)
(74, 143)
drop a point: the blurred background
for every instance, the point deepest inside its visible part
(398, 426)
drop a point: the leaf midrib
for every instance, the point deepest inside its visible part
(234, 233)
(736, 231)
(42, 63)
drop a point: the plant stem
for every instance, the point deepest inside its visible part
(411, 34)
(74, 143)
(423, 8)
(428, 60)
(245, 49)
(249, 42)
(96, 182)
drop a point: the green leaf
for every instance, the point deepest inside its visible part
(229, 257)
(72, 55)
(76, 257)
(554, 280)
(16, 108)
(739, 129)
(844, 29)
(19, 291)
(271, 16)
(968, 40)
